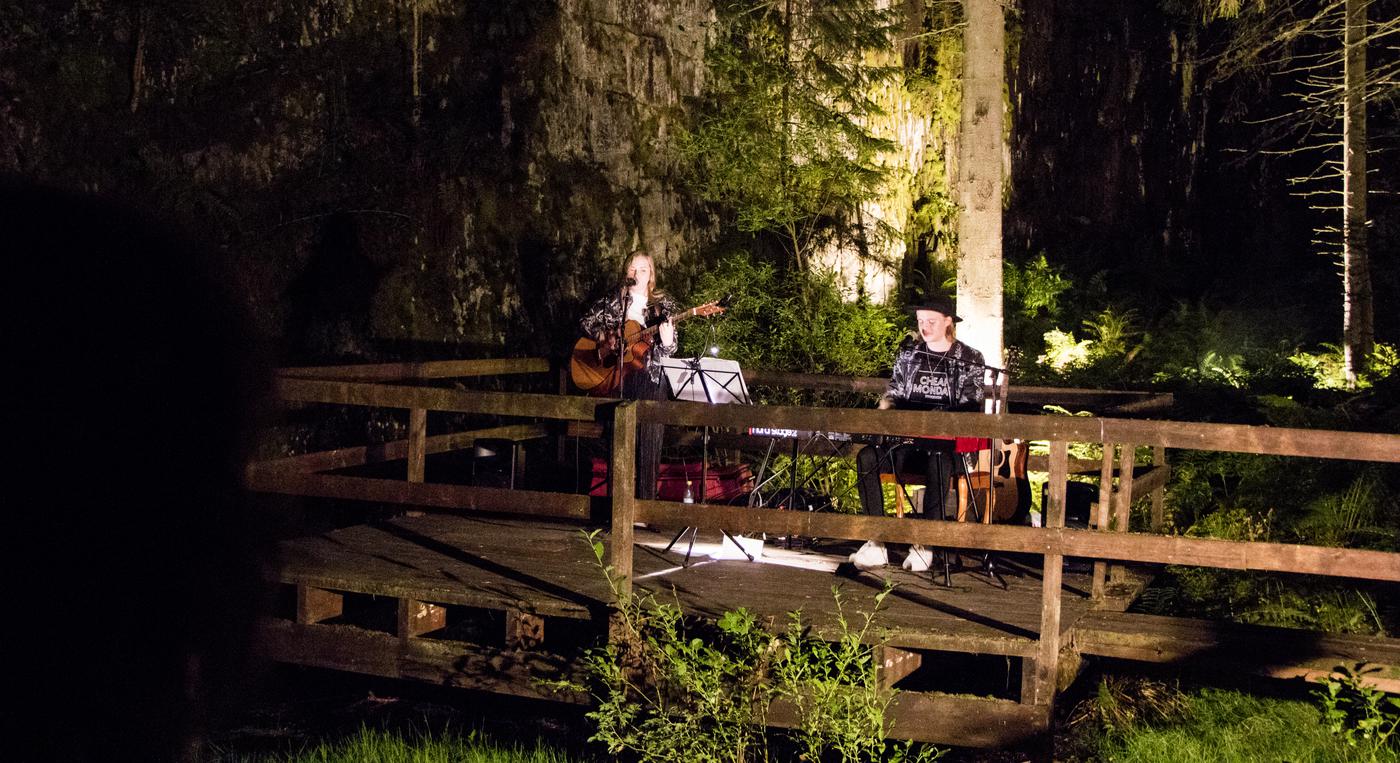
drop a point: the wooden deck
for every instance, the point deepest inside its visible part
(542, 580)
(547, 570)
(466, 599)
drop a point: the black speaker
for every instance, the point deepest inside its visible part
(1079, 501)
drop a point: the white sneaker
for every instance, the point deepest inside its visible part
(919, 559)
(870, 556)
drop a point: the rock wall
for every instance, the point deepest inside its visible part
(379, 174)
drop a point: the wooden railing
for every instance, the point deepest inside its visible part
(301, 475)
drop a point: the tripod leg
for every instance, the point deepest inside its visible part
(667, 550)
(737, 545)
(688, 548)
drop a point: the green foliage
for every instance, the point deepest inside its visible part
(833, 685)
(834, 478)
(1362, 715)
(1032, 293)
(780, 137)
(1256, 498)
(673, 688)
(790, 319)
(933, 82)
(1208, 725)
(1328, 369)
(371, 745)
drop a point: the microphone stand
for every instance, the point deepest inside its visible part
(626, 301)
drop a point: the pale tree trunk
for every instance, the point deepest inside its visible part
(980, 179)
(1358, 331)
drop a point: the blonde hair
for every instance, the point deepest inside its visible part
(651, 282)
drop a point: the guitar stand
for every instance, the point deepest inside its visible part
(989, 560)
(691, 546)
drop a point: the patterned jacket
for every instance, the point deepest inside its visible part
(604, 318)
(952, 378)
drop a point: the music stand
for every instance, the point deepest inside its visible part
(705, 380)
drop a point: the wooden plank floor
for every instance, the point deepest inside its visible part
(548, 570)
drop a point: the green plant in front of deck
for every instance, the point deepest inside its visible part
(672, 688)
(833, 686)
(663, 692)
(1362, 715)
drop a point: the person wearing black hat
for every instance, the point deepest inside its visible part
(932, 371)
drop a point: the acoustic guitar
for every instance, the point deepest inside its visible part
(594, 365)
(1010, 495)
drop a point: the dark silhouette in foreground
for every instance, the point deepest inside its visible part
(132, 559)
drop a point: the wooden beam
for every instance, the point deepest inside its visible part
(1069, 397)
(1042, 689)
(524, 502)
(417, 443)
(1138, 547)
(442, 662)
(1100, 522)
(394, 450)
(523, 630)
(418, 617)
(527, 405)
(1258, 649)
(1159, 460)
(433, 369)
(961, 720)
(1123, 503)
(893, 664)
(317, 604)
(623, 490)
(1309, 443)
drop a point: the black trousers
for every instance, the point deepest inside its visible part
(931, 458)
(639, 386)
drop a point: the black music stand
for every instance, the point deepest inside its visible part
(705, 380)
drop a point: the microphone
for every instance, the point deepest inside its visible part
(629, 283)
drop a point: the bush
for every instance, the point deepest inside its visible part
(791, 320)
(673, 688)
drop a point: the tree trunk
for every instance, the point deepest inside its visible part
(980, 179)
(1358, 330)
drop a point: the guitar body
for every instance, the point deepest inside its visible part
(593, 366)
(1010, 494)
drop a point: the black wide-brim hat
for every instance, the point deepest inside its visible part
(938, 305)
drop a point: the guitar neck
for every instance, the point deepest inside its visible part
(675, 318)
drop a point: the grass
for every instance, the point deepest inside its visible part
(371, 745)
(1221, 725)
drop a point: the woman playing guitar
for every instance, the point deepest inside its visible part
(634, 360)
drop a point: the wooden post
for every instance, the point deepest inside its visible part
(316, 605)
(1101, 515)
(893, 664)
(623, 476)
(523, 630)
(417, 443)
(1159, 493)
(561, 439)
(1042, 688)
(1123, 507)
(419, 617)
